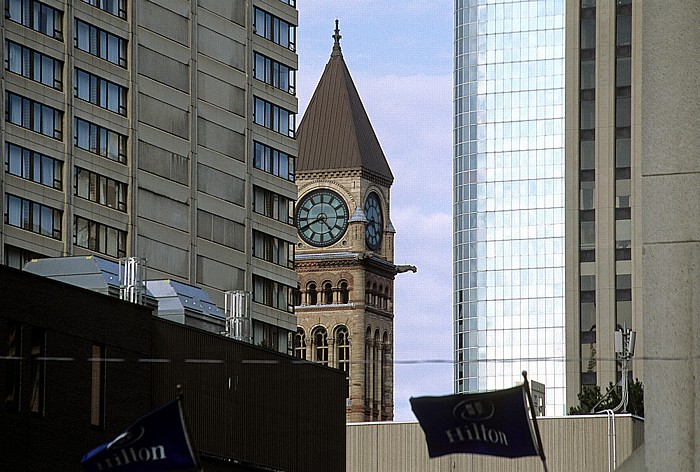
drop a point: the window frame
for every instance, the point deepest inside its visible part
(272, 117)
(119, 6)
(29, 120)
(96, 135)
(31, 215)
(100, 46)
(272, 28)
(273, 249)
(97, 192)
(27, 10)
(274, 162)
(94, 89)
(29, 58)
(97, 237)
(272, 72)
(27, 166)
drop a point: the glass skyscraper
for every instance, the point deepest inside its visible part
(509, 196)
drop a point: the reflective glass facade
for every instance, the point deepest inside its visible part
(509, 196)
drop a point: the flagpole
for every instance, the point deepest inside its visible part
(534, 421)
(181, 405)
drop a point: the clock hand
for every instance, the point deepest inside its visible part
(302, 228)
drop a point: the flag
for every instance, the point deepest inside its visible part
(492, 423)
(157, 442)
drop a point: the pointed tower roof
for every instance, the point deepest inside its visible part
(335, 132)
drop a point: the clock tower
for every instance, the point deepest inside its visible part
(345, 249)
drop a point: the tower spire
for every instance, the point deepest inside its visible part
(336, 47)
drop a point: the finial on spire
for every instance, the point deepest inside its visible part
(336, 37)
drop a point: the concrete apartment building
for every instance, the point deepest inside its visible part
(156, 129)
(603, 189)
(509, 196)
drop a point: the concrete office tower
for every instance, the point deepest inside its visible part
(603, 211)
(156, 129)
(670, 169)
(509, 196)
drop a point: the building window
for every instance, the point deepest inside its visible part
(300, 343)
(320, 337)
(271, 339)
(37, 16)
(100, 189)
(344, 293)
(37, 367)
(100, 92)
(274, 29)
(13, 366)
(274, 162)
(17, 257)
(274, 73)
(272, 249)
(113, 7)
(312, 294)
(32, 216)
(384, 400)
(274, 117)
(33, 65)
(271, 293)
(342, 345)
(327, 293)
(99, 140)
(33, 166)
(292, 3)
(97, 385)
(368, 365)
(273, 205)
(33, 115)
(100, 43)
(376, 370)
(99, 237)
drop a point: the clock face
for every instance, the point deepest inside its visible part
(375, 222)
(322, 218)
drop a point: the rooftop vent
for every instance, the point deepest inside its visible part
(238, 316)
(132, 279)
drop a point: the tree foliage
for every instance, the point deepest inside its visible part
(590, 396)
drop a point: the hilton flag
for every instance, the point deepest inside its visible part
(493, 423)
(157, 442)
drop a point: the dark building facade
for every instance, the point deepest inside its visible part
(78, 367)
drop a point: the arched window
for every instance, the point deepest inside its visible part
(311, 294)
(380, 297)
(300, 343)
(344, 293)
(321, 345)
(374, 294)
(368, 364)
(386, 298)
(385, 368)
(297, 296)
(342, 344)
(368, 293)
(376, 371)
(328, 293)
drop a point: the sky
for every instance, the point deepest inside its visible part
(399, 54)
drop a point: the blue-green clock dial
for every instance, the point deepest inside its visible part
(375, 221)
(321, 218)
